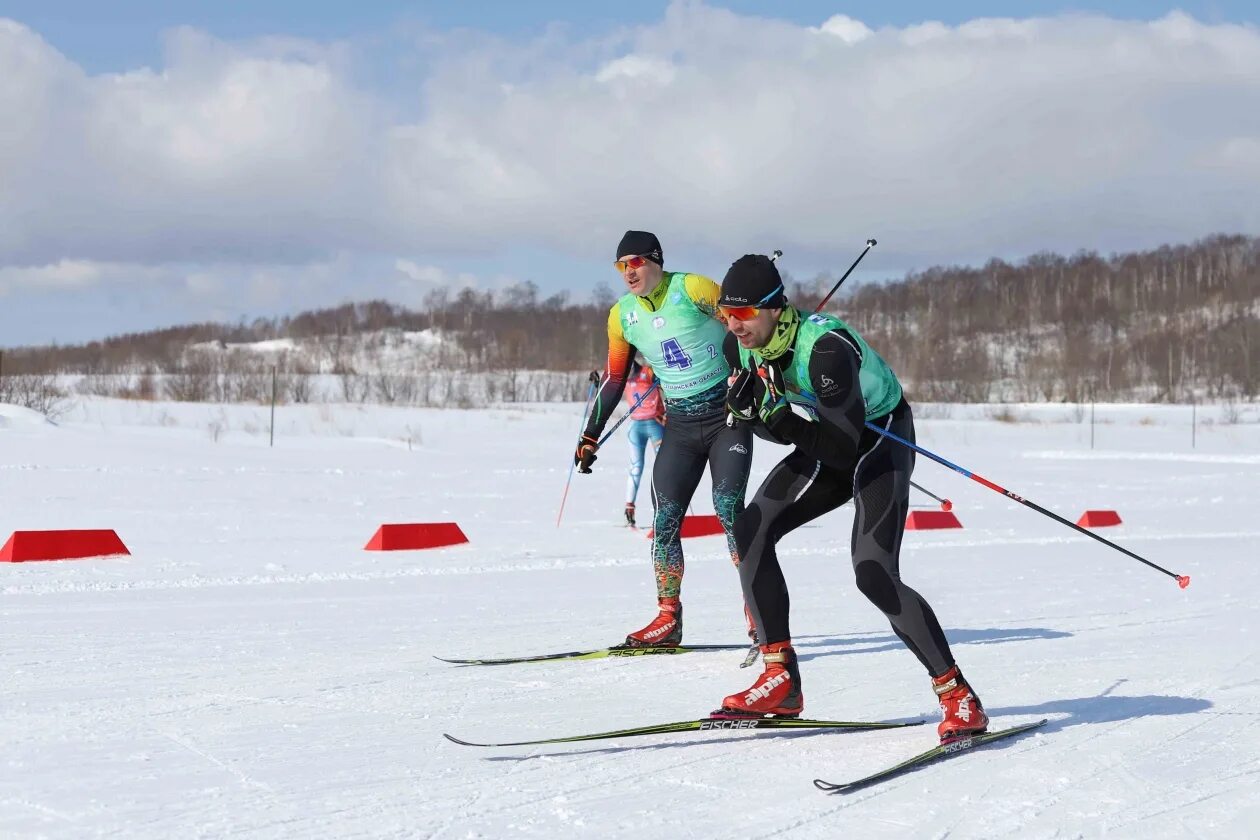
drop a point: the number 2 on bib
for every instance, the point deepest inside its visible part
(675, 356)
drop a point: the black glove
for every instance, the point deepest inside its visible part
(772, 404)
(594, 377)
(741, 396)
(585, 454)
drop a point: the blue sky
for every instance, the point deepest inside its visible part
(174, 162)
(120, 35)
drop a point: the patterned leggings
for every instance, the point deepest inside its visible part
(691, 443)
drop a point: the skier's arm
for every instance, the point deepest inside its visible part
(730, 351)
(833, 376)
(616, 372)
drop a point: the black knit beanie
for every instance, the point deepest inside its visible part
(753, 280)
(641, 243)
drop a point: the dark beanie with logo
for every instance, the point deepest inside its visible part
(753, 280)
(640, 243)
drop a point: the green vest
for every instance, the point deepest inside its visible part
(880, 388)
(681, 343)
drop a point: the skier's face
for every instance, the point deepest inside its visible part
(642, 275)
(754, 332)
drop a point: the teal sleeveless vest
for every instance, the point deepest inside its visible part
(681, 343)
(880, 388)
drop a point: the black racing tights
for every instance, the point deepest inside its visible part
(800, 489)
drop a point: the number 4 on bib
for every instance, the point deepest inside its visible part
(675, 356)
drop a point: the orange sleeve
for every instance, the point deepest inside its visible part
(616, 372)
(619, 350)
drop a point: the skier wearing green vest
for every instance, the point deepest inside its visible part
(782, 357)
(671, 319)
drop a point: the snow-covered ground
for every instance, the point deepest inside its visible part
(250, 671)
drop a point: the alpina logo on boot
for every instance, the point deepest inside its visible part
(964, 709)
(962, 712)
(760, 692)
(660, 631)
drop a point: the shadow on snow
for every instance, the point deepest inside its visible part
(879, 643)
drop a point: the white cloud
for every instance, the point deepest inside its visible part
(846, 29)
(721, 131)
(637, 67)
(63, 274)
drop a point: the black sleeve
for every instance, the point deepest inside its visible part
(833, 376)
(611, 386)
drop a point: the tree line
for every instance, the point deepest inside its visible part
(1170, 324)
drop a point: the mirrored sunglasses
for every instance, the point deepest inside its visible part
(739, 313)
(630, 262)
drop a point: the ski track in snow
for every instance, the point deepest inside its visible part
(250, 670)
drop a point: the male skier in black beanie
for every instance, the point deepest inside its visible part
(781, 357)
(671, 318)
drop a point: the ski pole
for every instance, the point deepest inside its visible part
(637, 403)
(870, 243)
(946, 504)
(1182, 580)
(590, 395)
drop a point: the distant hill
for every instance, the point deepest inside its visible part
(1163, 325)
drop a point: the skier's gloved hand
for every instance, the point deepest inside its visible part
(772, 404)
(741, 396)
(594, 377)
(585, 454)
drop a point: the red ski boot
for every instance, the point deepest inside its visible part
(664, 631)
(961, 712)
(777, 692)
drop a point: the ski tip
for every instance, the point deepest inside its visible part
(1183, 581)
(453, 739)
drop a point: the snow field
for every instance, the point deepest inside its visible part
(251, 671)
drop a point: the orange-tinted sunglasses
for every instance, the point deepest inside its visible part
(739, 313)
(630, 262)
(747, 313)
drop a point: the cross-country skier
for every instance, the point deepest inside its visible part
(671, 318)
(781, 357)
(647, 412)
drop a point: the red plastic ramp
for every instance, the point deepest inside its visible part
(1099, 519)
(61, 545)
(698, 526)
(410, 536)
(931, 520)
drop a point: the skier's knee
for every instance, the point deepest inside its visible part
(878, 586)
(747, 525)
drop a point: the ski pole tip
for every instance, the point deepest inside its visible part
(947, 505)
(1183, 581)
